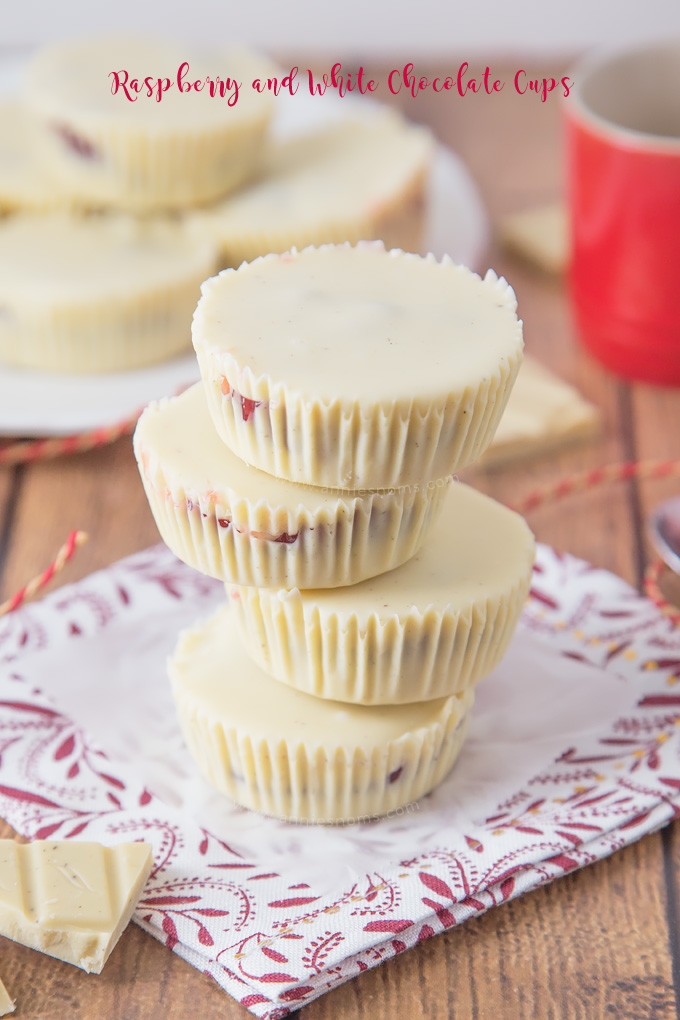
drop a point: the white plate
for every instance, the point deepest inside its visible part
(44, 404)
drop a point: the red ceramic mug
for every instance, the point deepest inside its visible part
(623, 152)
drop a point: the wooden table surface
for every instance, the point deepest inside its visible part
(602, 942)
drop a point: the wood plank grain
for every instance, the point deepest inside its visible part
(98, 492)
(10, 481)
(141, 980)
(599, 525)
(656, 416)
(586, 946)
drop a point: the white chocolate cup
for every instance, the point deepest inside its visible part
(352, 180)
(241, 525)
(275, 750)
(431, 628)
(97, 294)
(358, 367)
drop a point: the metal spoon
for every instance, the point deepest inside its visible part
(664, 532)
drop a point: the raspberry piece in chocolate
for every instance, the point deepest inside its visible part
(81, 146)
(248, 406)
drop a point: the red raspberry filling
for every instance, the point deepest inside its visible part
(81, 146)
(225, 522)
(247, 405)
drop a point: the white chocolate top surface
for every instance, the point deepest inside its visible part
(73, 77)
(61, 258)
(477, 549)
(178, 434)
(357, 323)
(211, 666)
(338, 172)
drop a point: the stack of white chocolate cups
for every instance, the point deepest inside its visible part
(311, 470)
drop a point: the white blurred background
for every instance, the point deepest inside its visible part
(357, 28)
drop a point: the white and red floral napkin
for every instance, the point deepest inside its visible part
(573, 751)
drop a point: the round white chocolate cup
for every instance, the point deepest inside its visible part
(275, 750)
(132, 151)
(433, 627)
(360, 368)
(352, 180)
(97, 294)
(241, 525)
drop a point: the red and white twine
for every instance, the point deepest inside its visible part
(36, 584)
(592, 478)
(30, 450)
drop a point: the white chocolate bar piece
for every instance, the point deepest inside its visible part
(544, 413)
(70, 900)
(539, 235)
(6, 1004)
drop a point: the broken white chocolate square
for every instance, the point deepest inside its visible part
(543, 414)
(538, 235)
(70, 900)
(6, 1004)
